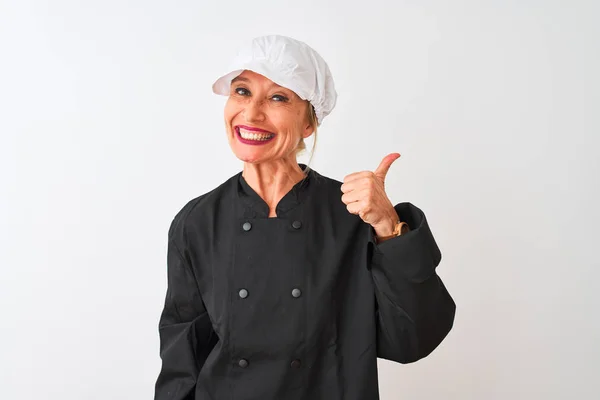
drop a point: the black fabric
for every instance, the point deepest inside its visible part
(321, 299)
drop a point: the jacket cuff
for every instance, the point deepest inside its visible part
(414, 254)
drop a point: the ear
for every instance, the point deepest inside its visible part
(310, 126)
(308, 130)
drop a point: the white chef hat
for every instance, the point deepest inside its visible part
(289, 63)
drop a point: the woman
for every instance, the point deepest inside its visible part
(283, 283)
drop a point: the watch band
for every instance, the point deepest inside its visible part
(399, 229)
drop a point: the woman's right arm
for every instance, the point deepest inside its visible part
(185, 331)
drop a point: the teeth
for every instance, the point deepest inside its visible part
(255, 136)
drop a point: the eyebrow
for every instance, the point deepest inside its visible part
(244, 79)
(240, 78)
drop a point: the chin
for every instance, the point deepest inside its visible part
(248, 160)
(248, 156)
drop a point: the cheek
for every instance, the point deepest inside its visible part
(288, 121)
(231, 109)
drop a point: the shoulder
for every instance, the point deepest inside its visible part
(328, 206)
(329, 192)
(326, 183)
(201, 206)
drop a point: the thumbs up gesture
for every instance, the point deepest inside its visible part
(364, 195)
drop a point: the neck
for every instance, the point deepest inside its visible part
(273, 180)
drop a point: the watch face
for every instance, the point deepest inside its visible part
(404, 228)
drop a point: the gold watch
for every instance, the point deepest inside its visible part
(399, 229)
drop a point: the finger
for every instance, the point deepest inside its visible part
(354, 207)
(354, 195)
(350, 186)
(356, 175)
(360, 182)
(385, 165)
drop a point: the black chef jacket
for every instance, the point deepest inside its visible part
(296, 307)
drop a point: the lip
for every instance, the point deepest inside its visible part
(253, 129)
(251, 142)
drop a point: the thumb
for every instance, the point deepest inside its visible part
(385, 165)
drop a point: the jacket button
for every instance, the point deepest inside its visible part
(243, 293)
(296, 224)
(296, 364)
(296, 292)
(247, 226)
(243, 363)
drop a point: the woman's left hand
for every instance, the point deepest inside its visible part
(364, 195)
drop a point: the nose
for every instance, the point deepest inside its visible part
(253, 111)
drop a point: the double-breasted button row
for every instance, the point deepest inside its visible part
(243, 293)
(246, 226)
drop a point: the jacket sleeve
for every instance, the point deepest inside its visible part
(185, 331)
(414, 310)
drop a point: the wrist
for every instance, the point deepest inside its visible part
(387, 225)
(385, 228)
(390, 228)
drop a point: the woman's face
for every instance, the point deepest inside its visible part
(264, 121)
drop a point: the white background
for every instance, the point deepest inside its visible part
(108, 127)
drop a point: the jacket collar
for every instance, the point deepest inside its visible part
(255, 206)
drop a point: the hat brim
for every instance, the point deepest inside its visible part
(222, 86)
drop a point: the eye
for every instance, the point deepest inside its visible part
(242, 91)
(278, 98)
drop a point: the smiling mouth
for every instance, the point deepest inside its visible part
(253, 137)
